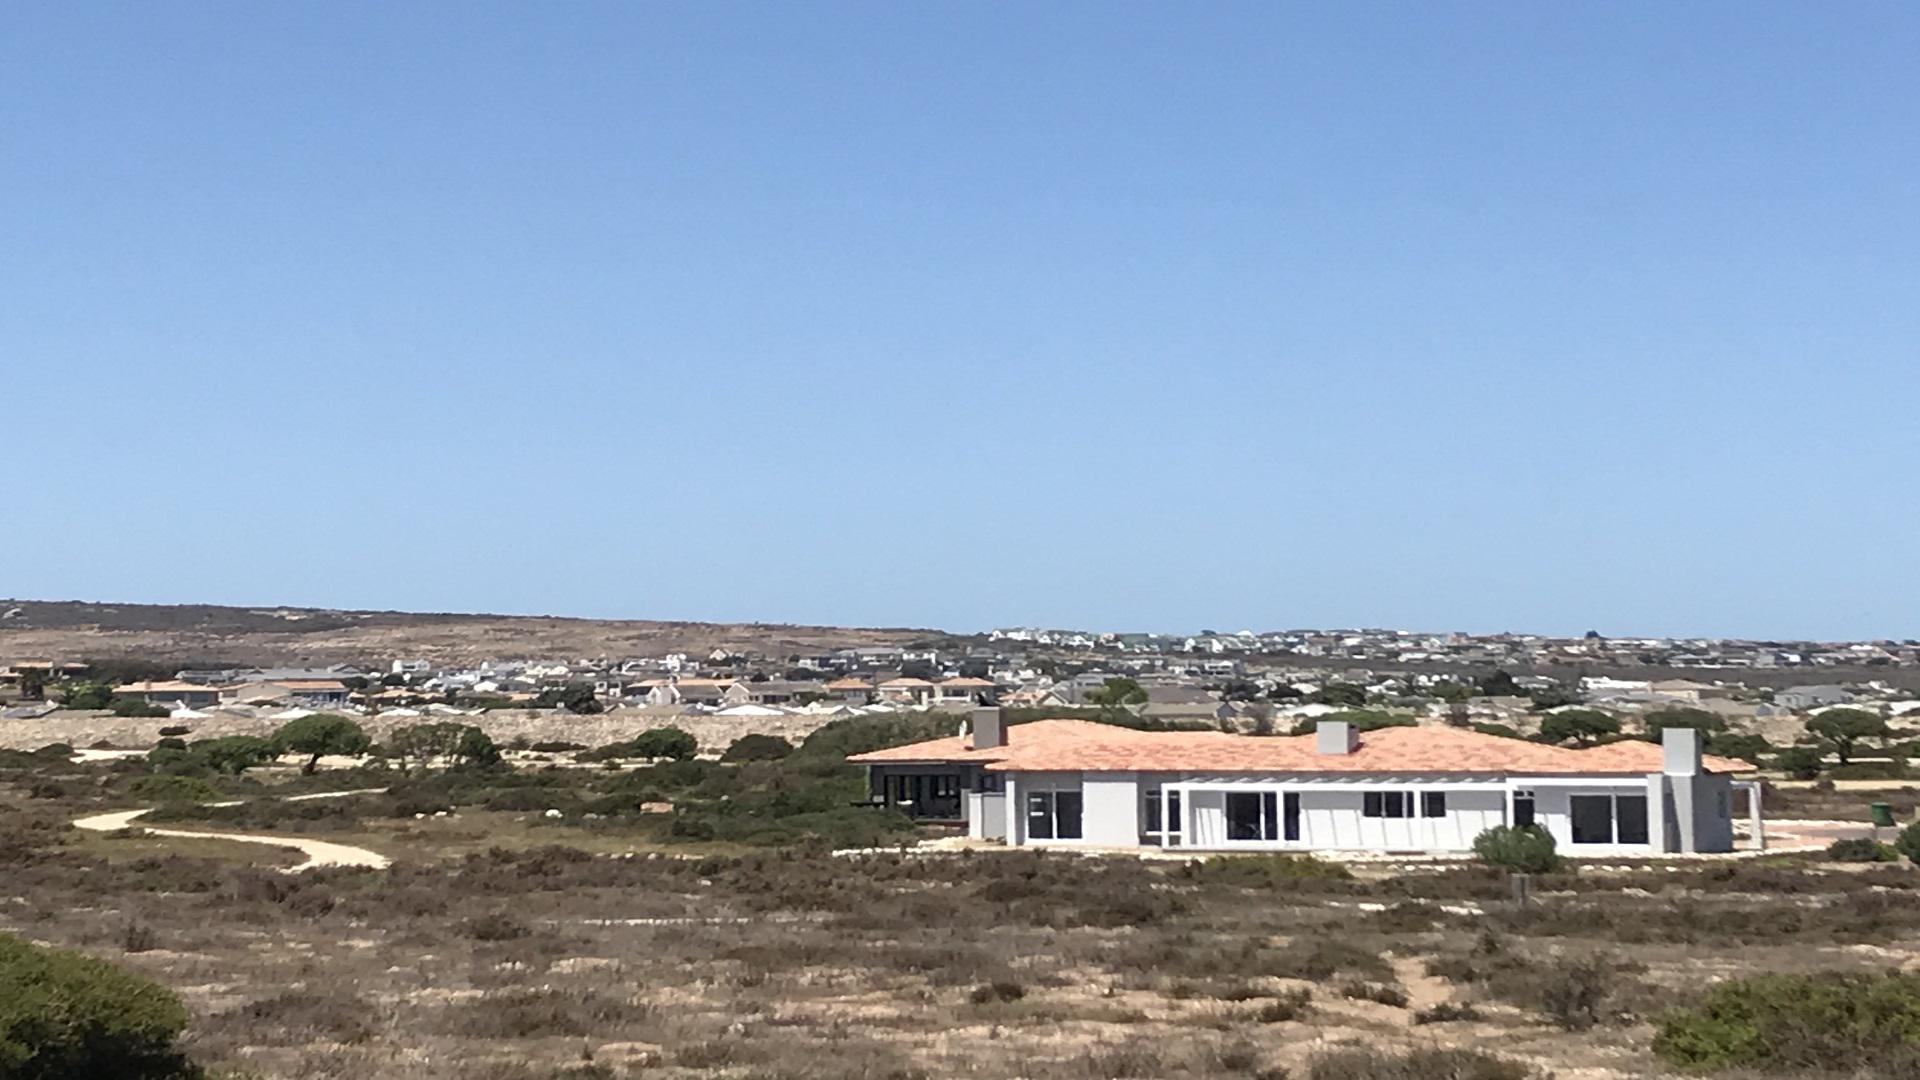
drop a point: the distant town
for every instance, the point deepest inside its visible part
(1240, 681)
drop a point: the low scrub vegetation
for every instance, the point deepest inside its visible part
(1424, 1064)
(64, 1016)
(1791, 1022)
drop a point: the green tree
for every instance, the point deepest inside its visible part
(667, 742)
(233, 754)
(1345, 695)
(1746, 747)
(1118, 690)
(1799, 762)
(757, 747)
(1700, 720)
(577, 698)
(1908, 842)
(85, 695)
(1556, 696)
(453, 746)
(1360, 719)
(64, 1016)
(1453, 693)
(133, 706)
(1842, 729)
(1500, 684)
(1581, 727)
(318, 735)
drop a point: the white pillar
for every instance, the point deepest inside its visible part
(1166, 821)
(1754, 823)
(1016, 813)
(1657, 813)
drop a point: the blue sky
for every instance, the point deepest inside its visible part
(1468, 316)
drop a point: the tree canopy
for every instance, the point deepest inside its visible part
(1842, 729)
(666, 742)
(1500, 684)
(1343, 694)
(1581, 727)
(233, 754)
(1119, 690)
(447, 744)
(318, 735)
(755, 746)
(1682, 716)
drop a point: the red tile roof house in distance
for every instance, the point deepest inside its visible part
(1411, 790)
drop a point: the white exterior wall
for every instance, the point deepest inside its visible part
(1331, 812)
(1332, 817)
(1112, 815)
(1332, 820)
(1553, 811)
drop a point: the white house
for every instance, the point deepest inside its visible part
(1403, 789)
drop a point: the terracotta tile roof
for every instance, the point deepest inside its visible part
(1076, 745)
(849, 684)
(966, 681)
(903, 682)
(310, 684)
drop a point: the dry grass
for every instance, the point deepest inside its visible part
(529, 962)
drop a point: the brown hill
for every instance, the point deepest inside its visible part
(205, 634)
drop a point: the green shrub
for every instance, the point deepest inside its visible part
(1798, 1022)
(64, 1016)
(757, 747)
(137, 707)
(1526, 849)
(1861, 849)
(165, 788)
(1262, 871)
(1908, 842)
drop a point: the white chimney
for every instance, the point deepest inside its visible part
(1335, 737)
(1680, 751)
(989, 729)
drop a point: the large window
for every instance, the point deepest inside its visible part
(1253, 815)
(1152, 812)
(1053, 815)
(1630, 818)
(1403, 804)
(1522, 809)
(1608, 819)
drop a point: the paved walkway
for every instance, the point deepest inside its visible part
(318, 852)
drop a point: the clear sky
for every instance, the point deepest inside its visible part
(1469, 316)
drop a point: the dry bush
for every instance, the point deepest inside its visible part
(997, 991)
(1319, 959)
(1424, 1064)
(534, 1014)
(296, 1018)
(1378, 993)
(1290, 1005)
